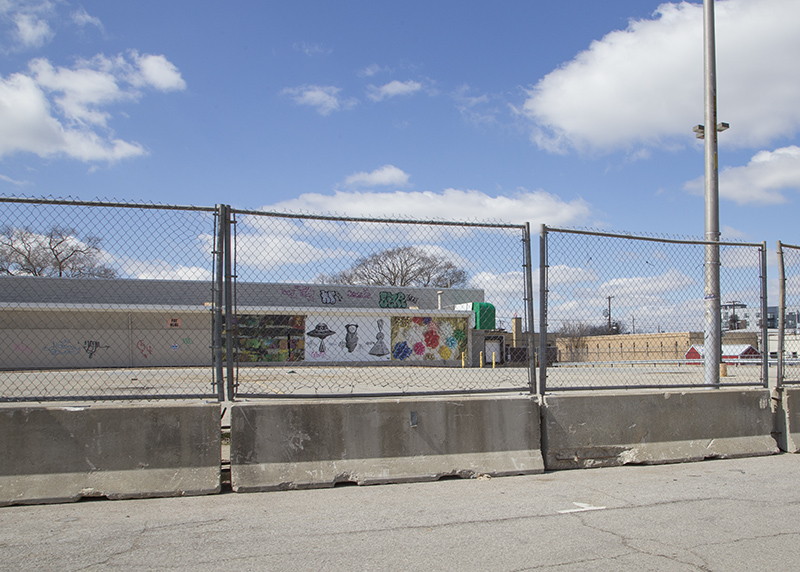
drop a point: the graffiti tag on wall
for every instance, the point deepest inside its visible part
(330, 297)
(298, 292)
(389, 300)
(359, 294)
(60, 348)
(91, 347)
(396, 300)
(144, 349)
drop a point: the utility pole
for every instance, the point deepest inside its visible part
(713, 326)
(609, 314)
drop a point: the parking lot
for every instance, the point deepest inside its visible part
(329, 380)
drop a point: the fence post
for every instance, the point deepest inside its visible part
(781, 317)
(218, 287)
(542, 385)
(764, 331)
(229, 358)
(526, 241)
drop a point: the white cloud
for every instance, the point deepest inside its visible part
(474, 108)
(393, 89)
(728, 233)
(450, 204)
(24, 24)
(82, 18)
(8, 179)
(562, 274)
(761, 181)
(158, 72)
(372, 70)
(267, 251)
(81, 90)
(644, 287)
(325, 99)
(62, 111)
(32, 32)
(310, 49)
(739, 257)
(643, 86)
(388, 175)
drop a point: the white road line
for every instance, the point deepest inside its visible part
(582, 507)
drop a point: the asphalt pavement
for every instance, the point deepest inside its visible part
(720, 515)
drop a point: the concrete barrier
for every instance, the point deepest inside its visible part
(787, 419)
(603, 429)
(317, 443)
(60, 454)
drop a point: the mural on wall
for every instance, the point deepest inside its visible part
(320, 331)
(270, 338)
(379, 347)
(424, 338)
(353, 338)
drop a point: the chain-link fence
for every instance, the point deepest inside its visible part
(785, 318)
(102, 300)
(105, 301)
(628, 311)
(343, 306)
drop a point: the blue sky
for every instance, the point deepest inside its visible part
(571, 113)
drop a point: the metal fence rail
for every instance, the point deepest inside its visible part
(623, 311)
(103, 300)
(346, 306)
(786, 350)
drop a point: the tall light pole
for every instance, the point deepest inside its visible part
(713, 325)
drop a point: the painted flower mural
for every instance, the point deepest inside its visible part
(425, 338)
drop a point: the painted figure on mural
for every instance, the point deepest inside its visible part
(379, 347)
(321, 332)
(351, 338)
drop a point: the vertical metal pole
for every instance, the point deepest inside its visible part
(713, 315)
(229, 362)
(542, 311)
(781, 317)
(526, 241)
(218, 287)
(764, 332)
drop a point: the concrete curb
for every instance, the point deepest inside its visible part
(787, 419)
(602, 430)
(308, 444)
(60, 454)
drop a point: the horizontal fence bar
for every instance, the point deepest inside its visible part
(649, 238)
(108, 204)
(377, 220)
(360, 395)
(649, 386)
(127, 397)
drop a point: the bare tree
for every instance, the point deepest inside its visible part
(401, 266)
(57, 253)
(572, 339)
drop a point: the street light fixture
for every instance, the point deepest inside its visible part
(700, 130)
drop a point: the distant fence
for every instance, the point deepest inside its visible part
(787, 320)
(619, 310)
(106, 301)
